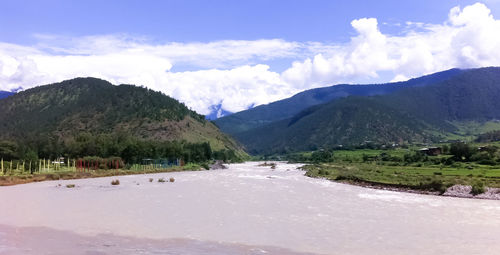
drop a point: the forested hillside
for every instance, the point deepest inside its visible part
(287, 108)
(54, 118)
(415, 114)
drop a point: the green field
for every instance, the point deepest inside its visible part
(388, 168)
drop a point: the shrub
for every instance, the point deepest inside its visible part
(115, 182)
(70, 185)
(477, 188)
(150, 179)
(438, 173)
(161, 180)
(433, 184)
(206, 166)
(172, 179)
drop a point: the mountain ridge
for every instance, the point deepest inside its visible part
(286, 108)
(415, 114)
(95, 106)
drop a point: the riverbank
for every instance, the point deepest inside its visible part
(8, 180)
(418, 180)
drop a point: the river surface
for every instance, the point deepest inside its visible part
(246, 209)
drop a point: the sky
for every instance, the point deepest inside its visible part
(239, 54)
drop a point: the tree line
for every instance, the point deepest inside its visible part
(130, 149)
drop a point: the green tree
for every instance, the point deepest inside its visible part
(461, 151)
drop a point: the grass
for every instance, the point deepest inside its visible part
(20, 178)
(416, 177)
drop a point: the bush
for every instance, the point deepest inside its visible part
(477, 188)
(206, 166)
(433, 184)
(172, 179)
(161, 180)
(150, 179)
(70, 186)
(115, 182)
(438, 173)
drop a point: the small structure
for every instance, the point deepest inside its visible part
(162, 163)
(431, 151)
(59, 160)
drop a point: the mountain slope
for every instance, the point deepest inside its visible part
(4, 94)
(96, 106)
(413, 114)
(287, 108)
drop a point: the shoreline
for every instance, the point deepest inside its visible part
(457, 191)
(10, 180)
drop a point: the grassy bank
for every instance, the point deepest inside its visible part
(7, 180)
(434, 178)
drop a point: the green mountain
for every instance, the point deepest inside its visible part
(92, 106)
(287, 108)
(412, 114)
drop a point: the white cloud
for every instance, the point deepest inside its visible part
(234, 73)
(469, 38)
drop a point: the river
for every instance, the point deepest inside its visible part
(246, 209)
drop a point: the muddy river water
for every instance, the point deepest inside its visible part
(246, 209)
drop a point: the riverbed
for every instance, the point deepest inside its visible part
(245, 209)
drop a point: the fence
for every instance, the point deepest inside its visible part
(14, 167)
(19, 167)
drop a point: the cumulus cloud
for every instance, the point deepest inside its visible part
(233, 73)
(468, 38)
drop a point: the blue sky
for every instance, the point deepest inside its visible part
(242, 53)
(203, 20)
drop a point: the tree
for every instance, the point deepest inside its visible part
(8, 150)
(461, 151)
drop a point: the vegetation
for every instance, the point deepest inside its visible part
(90, 117)
(262, 115)
(439, 111)
(70, 185)
(115, 182)
(477, 188)
(172, 179)
(466, 164)
(161, 180)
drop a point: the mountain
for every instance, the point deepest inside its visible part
(287, 108)
(4, 94)
(216, 112)
(89, 105)
(411, 114)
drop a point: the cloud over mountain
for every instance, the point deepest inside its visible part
(238, 73)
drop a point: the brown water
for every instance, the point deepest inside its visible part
(245, 209)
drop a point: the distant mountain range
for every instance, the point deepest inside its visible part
(425, 109)
(4, 94)
(97, 107)
(287, 108)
